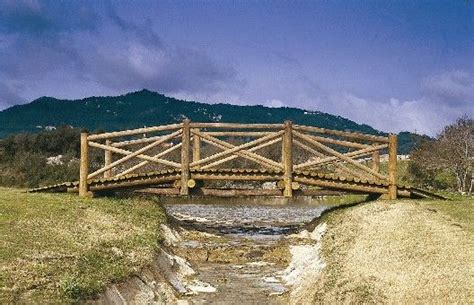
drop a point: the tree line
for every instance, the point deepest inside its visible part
(33, 159)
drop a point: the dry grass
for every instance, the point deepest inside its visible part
(60, 248)
(403, 252)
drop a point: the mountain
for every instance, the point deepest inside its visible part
(147, 108)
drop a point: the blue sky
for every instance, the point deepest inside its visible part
(395, 65)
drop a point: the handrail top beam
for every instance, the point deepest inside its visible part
(348, 134)
(235, 125)
(131, 132)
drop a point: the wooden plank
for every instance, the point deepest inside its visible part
(392, 167)
(232, 149)
(130, 155)
(133, 132)
(353, 135)
(338, 154)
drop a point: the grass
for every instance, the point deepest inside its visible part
(60, 248)
(406, 251)
(459, 210)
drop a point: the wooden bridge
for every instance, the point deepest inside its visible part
(226, 159)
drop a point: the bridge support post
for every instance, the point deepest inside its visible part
(84, 167)
(196, 147)
(392, 167)
(184, 191)
(287, 159)
(107, 159)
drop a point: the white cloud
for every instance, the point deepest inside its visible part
(453, 87)
(418, 115)
(274, 103)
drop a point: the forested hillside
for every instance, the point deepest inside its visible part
(146, 108)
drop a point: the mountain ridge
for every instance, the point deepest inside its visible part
(148, 108)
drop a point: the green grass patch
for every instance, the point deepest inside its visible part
(60, 248)
(459, 209)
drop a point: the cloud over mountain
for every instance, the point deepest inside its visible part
(397, 67)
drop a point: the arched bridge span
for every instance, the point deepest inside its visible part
(229, 159)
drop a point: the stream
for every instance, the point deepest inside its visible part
(246, 254)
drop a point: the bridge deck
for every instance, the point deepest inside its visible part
(167, 177)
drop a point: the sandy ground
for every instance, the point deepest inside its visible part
(401, 252)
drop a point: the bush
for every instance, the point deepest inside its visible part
(23, 158)
(448, 161)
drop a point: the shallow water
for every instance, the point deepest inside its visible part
(236, 260)
(245, 220)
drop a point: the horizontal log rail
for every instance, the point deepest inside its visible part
(131, 132)
(248, 134)
(235, 126)
(198, 151)
(137, 141)
(353, 135)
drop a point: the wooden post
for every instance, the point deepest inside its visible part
(185, 158)
(196, 147)
(392, 167)
(108, 159)
(287, 159)
(84, 166)
(376, 161)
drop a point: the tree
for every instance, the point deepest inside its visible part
(451, 153)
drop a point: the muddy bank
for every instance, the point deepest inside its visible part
(224, 254)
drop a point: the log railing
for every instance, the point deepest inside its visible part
(181, 147)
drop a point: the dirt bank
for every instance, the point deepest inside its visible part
(406, 251)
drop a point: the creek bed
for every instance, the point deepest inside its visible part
(240, 250)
